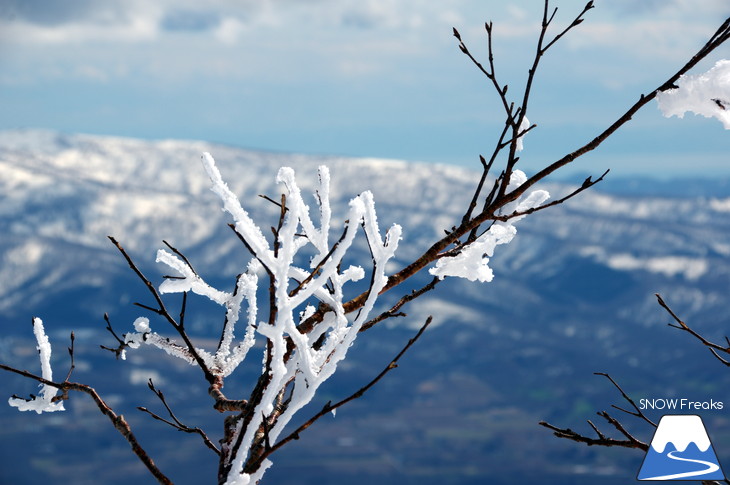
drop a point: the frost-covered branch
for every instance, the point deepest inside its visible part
(295, 366)
(331, 408)
(706, 94)
(45, 401)
(49, 401)
(471, 261)
(296, 363)
(186, 352)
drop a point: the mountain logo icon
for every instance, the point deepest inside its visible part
(680, 450)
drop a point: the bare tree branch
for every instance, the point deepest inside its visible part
(71, 355)
(181, 255)
(587, 183)
(502, 198)
(718, 38)
(714, 348)
(118, 351)
(120, 424)
(394, 311)
(602, 440)
(637, 411)
(162, 309)
(176, 423)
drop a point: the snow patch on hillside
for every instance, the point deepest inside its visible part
(689, 268)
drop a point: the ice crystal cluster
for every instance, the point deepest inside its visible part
(44, 401)
(706, 94)
(305, 368)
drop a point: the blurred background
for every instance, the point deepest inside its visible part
(380, 78)
(107, 106)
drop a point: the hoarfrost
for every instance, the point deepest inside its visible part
(706, 94)
(44, 401)
(290, 356)
(523, 126)
(472, 261)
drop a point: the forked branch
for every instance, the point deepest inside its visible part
(174, 421)
(681, 325)
(500, 197)
(162, 311)
(601, 439)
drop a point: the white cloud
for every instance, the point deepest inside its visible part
(229, 30)
(229, 60)
(135, 29)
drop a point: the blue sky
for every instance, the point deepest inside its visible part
(381, 78)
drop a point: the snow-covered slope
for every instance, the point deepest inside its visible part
(572, 294)
(600, 257)
(63, 194)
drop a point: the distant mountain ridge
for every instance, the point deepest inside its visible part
(63, 194)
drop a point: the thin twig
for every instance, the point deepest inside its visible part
(486, 167)
(181, 255)
(277, 204)
(587, 183)
(319, 266)
(176, 423)
(162, 310)
(394, 311)
(122, 345)
(681, 325)
(71, 354)
(248, 247)
(603, 440)
(637, 411)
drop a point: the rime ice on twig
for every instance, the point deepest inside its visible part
(706, 94)
(294, 365)
(522, 129)
(472, 261)
(308, 366)
(44, 401)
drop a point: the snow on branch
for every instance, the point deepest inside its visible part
(706, 94)
(472, 261)
(302, 370)
(524, 126)
(44, 401)
(296, 363)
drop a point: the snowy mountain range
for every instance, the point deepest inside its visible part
(572, 294)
